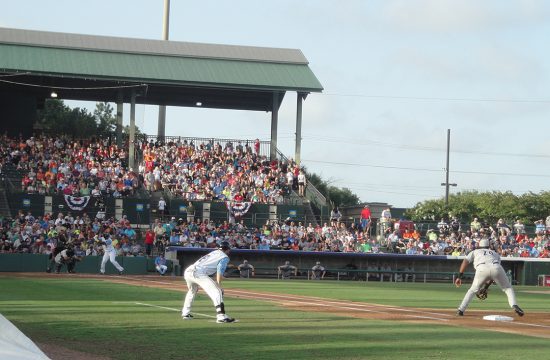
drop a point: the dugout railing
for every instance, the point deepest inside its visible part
(357, 275)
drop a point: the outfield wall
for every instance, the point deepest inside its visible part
(523, 271)
(88, 265)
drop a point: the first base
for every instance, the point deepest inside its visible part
(498, 318)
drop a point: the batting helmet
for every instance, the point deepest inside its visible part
(484, 243)
(225, 245)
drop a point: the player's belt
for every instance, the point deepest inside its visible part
(493, 263)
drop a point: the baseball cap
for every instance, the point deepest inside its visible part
(484, 243)
(225, 245)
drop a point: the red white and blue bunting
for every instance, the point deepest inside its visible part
(238, 209)
(77, 203)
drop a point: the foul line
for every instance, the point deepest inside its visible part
(160, 307)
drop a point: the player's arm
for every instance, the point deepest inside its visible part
(222, 265)
(463, 267)
(252, 270)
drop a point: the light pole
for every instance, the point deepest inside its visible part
(446, 183)
(161, 130)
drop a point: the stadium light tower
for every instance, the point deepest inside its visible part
(161, 130)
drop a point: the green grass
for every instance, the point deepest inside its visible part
(102, 318)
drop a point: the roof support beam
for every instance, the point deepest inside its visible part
(274, 121)
(298, 150)
(119, 112)
(131, 150)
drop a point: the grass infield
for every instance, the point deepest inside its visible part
(133, 322)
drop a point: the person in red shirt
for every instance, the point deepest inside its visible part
(365, 218)
(149, 240)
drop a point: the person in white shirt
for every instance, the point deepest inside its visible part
(198, 275)
(488, 268)
(301, 183)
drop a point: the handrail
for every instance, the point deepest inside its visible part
(264, 145)
(312, 194)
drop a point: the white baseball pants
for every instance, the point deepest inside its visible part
(110, 255)
(485, 272)
(208, 284)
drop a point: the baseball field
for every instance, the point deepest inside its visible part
(138, 317)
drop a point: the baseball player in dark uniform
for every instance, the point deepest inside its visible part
(286, 270)
(246, 270)
(317, 271)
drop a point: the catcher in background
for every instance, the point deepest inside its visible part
(66, 257)
(488, 269)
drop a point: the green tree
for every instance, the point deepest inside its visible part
(335, 196)
(105, 120)
(488, 206)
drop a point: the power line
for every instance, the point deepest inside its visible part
(367, 142)
(426, 98)
(424, 169)
(73, 88)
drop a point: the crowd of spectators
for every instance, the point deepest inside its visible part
(27, 234)
(97, 167)
(42, 234)
(210, 171)
(60, 165)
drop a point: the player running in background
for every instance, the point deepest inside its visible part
(109, 253)
(487, 265)
(198, 275)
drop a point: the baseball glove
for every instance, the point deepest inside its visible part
(482, 294)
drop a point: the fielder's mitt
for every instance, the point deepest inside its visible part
(482, 294)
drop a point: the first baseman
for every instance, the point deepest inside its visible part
(199, 273)
(487, 265)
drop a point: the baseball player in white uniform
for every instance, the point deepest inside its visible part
(488, 268)
(109, 254)
(199, 273)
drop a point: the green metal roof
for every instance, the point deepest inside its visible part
(103, 68)
(159, 69)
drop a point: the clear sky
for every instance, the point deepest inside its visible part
(397, 74)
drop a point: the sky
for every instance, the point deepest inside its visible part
(397, 74)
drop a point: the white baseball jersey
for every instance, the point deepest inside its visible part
(108, 246)
(215, 261)
(483, 256)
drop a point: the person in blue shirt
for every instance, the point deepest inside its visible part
(160, 264)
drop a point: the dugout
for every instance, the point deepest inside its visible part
(523, 271)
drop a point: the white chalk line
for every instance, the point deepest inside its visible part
(325, 302)
(160, 307)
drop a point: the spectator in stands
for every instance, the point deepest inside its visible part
(301, 183)
(335, 216)
(365, 218)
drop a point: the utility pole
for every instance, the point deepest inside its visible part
(446, 183)
(161, 132)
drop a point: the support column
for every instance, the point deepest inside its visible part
(274, 121)
(161, 130)
(131, 150)
(298, 151)
(119, 112)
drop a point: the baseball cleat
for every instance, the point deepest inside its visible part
(121, 272)
(459, 313)
(518, 310)
(225, 320)
(187, 317)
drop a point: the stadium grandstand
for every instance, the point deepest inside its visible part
(56, 188)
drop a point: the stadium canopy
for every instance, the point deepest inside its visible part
(155, 72)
